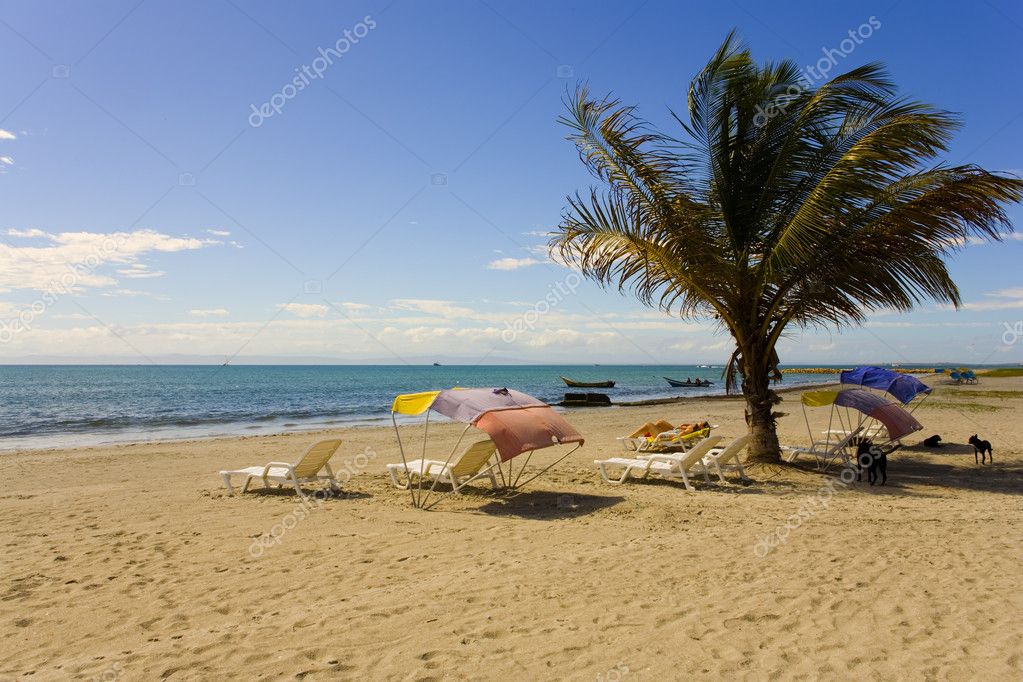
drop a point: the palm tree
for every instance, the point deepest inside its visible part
(779, 204)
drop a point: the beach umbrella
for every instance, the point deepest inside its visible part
(902, 387)
(898, 421)
(517, 423)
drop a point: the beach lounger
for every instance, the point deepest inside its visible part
(674, 467)
(825, 451)
(305, 470)
(727, 458)
(472, 465)
(675, 440)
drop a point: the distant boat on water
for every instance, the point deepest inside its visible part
(688, 384)
(588, 384)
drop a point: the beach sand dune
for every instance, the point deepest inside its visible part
(131, 562)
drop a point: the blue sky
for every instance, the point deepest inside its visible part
(393, 209)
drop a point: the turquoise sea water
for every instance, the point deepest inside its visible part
(57, 406)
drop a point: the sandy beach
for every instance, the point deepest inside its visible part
(132, 562)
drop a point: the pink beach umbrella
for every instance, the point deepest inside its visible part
(517, 423)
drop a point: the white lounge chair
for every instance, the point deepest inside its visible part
(458, 474)
(728, 457)
(825, 451)
(305, 470)
(666, 465)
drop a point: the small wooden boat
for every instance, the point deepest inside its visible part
(688, 384)
(588, 384)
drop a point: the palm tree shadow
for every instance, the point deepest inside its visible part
(943, 449)
(546, 505)
(911, 475)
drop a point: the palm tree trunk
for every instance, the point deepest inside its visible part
(760, 402)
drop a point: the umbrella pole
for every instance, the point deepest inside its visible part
(522, 468)
(806, 419)
(446, 462)
(500, 470)
(422, 459)
(547, 468)
(842, 423)
(404, 462)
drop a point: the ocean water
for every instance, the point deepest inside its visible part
(59, 406)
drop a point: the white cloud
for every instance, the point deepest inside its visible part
(133, 293)
(140, 271)
(76, 260)
(26, 233)
(219, 233)
(304, 309)
(207, 312)
(512, 263)
(7, 135)
(1004, 299)
(922, 325)
(354, 307)
(433, 307)
(6, 160)
(1007, 293)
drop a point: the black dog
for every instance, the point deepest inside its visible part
(874, 460)
(932, 442)
(979, 448)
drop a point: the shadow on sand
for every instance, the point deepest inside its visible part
(313, 497)
(910, 470)
(541, 504)
(914, 468)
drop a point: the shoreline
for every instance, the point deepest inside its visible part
(728, 396)
(314, 428)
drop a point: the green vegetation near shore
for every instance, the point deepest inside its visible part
(960, 406)
(1003, 372)
(967, 393)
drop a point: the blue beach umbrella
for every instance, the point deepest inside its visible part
(902, 387)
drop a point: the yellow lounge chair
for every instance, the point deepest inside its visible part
(305, 470)
(666, 441)
(825, 451)
(722, 458)
(458, 474)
